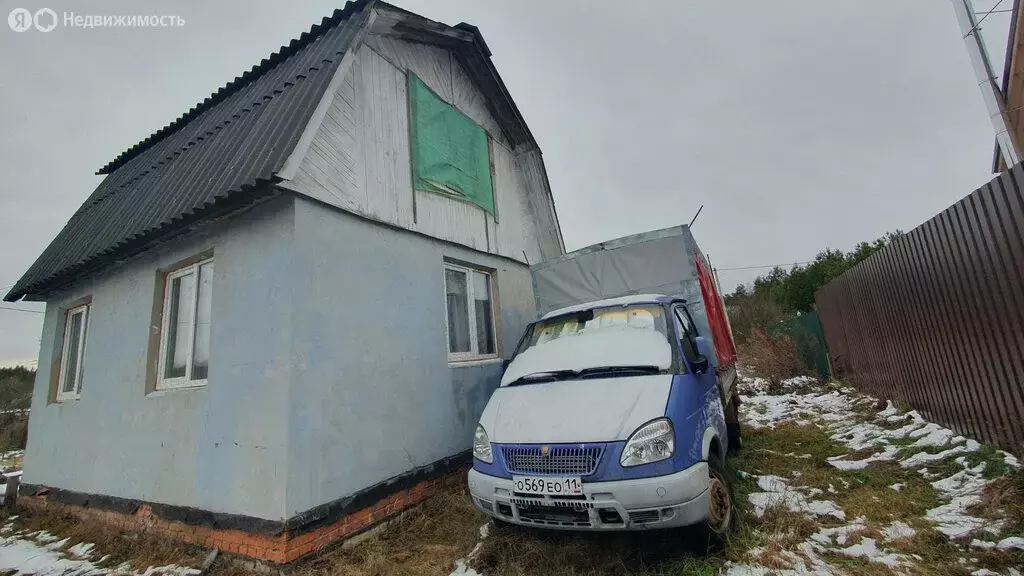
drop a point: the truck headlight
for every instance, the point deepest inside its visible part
(651, 442)
(482, 446)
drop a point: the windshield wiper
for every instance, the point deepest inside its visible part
(538, 377)
(642, 370)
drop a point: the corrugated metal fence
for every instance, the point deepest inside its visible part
(935, 321)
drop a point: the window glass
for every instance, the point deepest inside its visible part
(601, 320)
(185, 339)
(69, 378)
(687, 334)
(181, 299)
(470, 303)
(457, 297)
(484, 316)
(201, 349)
(74, 342)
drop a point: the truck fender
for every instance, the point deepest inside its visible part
(709, 435)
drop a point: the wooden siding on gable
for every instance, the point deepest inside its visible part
(359, 159)
(382, 99)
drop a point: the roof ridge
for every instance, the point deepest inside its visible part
(232, 87)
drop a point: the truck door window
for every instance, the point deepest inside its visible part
(687, 335)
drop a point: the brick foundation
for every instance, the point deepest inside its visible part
(283, 548)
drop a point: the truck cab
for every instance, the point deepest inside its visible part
(609, 416)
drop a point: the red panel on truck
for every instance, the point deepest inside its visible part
(724, 346)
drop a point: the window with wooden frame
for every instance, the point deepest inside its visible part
(185, 330)
(76, 328)
(469, 304)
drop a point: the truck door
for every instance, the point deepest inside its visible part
(699, 366)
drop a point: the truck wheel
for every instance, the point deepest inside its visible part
(721, 518)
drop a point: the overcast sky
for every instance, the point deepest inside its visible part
(799, 125)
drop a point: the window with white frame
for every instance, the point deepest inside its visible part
(470, 307)
(185, 335)
(76, 326)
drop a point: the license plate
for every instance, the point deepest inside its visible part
(548, 485)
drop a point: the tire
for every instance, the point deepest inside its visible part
(715, 530)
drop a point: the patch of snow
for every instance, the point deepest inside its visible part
(890, 410)
(985, 572)
(170, 570)
(866, 548)
(57, 545)
(898, 531)
(1010, 459)
(770, 483)
(43, 537)
(982, 544)
(39, 553)
(462, 570)
(825, 536)
(888, 454)
(897, 486)
(1011, 543)
(963, 490)
(924, 457)
(81, 549)
(26, 557)
(778, 492)
(933, 435)
(485, 530)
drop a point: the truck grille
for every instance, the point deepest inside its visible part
(568, 460)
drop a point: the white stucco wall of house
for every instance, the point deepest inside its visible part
(221, 447)
(372, 392)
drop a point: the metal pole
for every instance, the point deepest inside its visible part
(995, 102)
(695, 216)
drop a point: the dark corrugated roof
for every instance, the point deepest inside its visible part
(222, 148)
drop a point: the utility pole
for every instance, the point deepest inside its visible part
(995, 102)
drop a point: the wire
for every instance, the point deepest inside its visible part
(764, 266)
(985, 15)
(22, 310)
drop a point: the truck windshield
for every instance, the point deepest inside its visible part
(601, 342)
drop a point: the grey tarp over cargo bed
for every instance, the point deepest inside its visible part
(656, 262)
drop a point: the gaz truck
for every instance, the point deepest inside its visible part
(618, 406)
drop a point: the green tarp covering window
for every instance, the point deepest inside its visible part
(449, 151)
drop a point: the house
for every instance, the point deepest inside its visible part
(1003, 94)
(1012, 89)
(277, 319)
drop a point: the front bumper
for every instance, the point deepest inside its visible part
(678, 499)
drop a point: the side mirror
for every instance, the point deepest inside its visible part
(702, 345)
(700, 365)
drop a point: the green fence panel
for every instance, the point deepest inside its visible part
(809, 339)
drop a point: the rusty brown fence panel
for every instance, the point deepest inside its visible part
(935, 321)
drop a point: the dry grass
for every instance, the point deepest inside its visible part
(138, 550)
(773, 359)
(874, 499)
(1004, 498)
(515, 551)
(427, 539)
